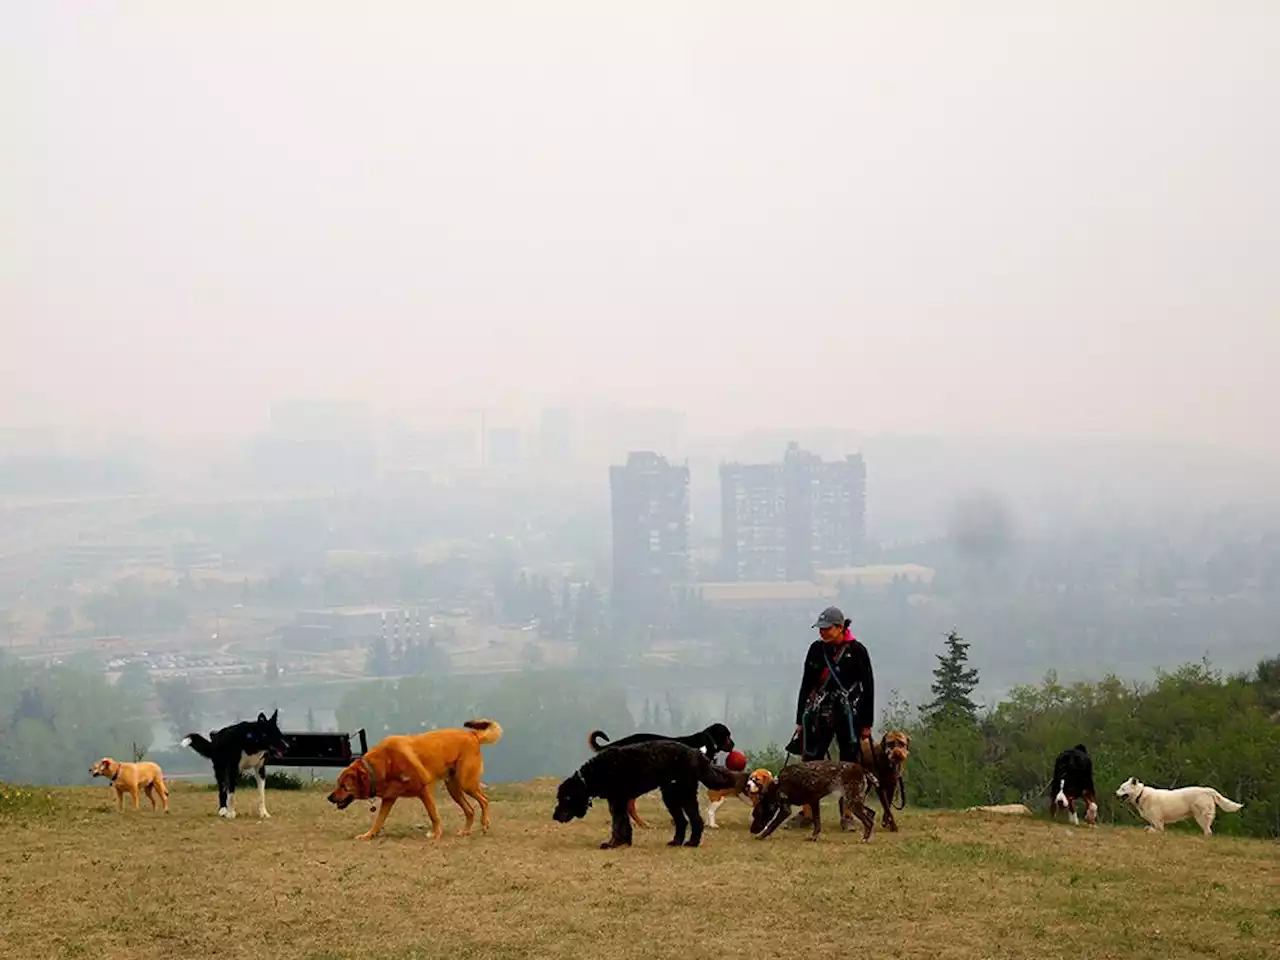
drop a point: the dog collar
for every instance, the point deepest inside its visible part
(373, 784)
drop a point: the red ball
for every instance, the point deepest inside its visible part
(736, 761)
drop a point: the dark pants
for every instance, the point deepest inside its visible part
(821, 729)
(818, 743)
(832, 720)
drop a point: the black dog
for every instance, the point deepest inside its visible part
(622, 773)
(714, 739)
(1072, 778)
(240, 748)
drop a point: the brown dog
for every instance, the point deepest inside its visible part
(888, 759)
(408, 766)
(755, 784)
(132, 778)
(809, 783)
(890, 763)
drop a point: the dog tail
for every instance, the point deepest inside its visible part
(1230, 806)
(720, 778)
(594, 738)
(487, 731)
(199, 744)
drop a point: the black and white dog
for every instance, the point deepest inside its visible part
(1072, 780)
(240, 748)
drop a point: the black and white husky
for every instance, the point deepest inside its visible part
(240, 748)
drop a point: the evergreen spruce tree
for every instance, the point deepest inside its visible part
(953, 682)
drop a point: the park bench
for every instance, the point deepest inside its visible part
(320, 749)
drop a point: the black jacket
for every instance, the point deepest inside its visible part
(853, 670)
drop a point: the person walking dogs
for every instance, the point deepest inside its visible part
(837, 697)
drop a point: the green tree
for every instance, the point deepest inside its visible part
(378, 663)
(134, 683)
(179, 705)
(953, 682)
(59, 619)
(55, 721)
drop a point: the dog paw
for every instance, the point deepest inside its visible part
(263, 815)
(364, 836)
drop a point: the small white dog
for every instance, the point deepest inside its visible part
(1163, 807)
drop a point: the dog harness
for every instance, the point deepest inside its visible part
(846, 698)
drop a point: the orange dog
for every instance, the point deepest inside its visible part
(410, 765)
(131, 778)
(758, 780)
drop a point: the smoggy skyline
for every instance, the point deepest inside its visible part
(1001, 220)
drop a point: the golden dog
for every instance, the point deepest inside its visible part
(131, 778)
(409, 766)
(758, 780)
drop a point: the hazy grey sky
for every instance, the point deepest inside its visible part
(1008, 217)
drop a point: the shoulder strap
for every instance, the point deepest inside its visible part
(829, 670)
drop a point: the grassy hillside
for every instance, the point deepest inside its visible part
(79, 880)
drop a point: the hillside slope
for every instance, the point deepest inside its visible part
(82, 881)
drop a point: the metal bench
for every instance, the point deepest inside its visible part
(320, 749)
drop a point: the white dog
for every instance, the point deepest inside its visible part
(1163, 807)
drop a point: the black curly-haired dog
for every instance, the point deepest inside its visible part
(711, 740)
(622, 773)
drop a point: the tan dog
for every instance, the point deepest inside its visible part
(409, 766)
(132, 778)
(756, 783)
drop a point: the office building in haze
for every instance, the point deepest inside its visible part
(650, 507)
(783, 521)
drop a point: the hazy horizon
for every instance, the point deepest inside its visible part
(1001, 222)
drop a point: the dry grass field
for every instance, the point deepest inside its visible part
(81, 880)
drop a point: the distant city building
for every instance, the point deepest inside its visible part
(555, 436)
(86, 558)
(338, 628)
(317, 443)
(650, 505)
(752, 523)
(502, 446)
(783, 521)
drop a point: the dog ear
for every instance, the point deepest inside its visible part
(262, 717)
(275, 715)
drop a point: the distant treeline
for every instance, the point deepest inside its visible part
(1191, 726)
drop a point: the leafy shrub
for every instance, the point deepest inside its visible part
(275, 781)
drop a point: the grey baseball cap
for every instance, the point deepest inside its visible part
(831, 617)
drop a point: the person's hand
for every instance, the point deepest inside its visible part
(865, 733)
(799, 727)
